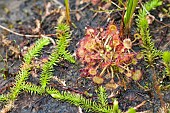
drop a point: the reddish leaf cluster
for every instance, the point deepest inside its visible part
(101, 49)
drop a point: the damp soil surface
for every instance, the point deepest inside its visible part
(21, 16)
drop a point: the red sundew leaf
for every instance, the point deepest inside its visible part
(120, 48)
(134, 61)
(106, 64)
(124, 59)
(80, 53)
(108, 56)
(112, 29)
(95, 56)
(89, 31)
(98, 80)
(127, 43)
(81, 42)
(85, 39)
(92, 32)
(115, 41)
(101, 29)
(137, 75)
(103, 35)
(92, 71)
(127, 57)
(90, 44)
(87, 59)
(92, 63)
(129, 74)
(98, 41)
(111, 85)
(139, 56)
(118, 61)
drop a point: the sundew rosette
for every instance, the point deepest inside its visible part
(104, 55)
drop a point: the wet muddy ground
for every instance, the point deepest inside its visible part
(21, 16)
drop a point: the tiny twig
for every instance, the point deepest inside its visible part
(29, 36)
(139, 105)
(157, 87)
(2, 27)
